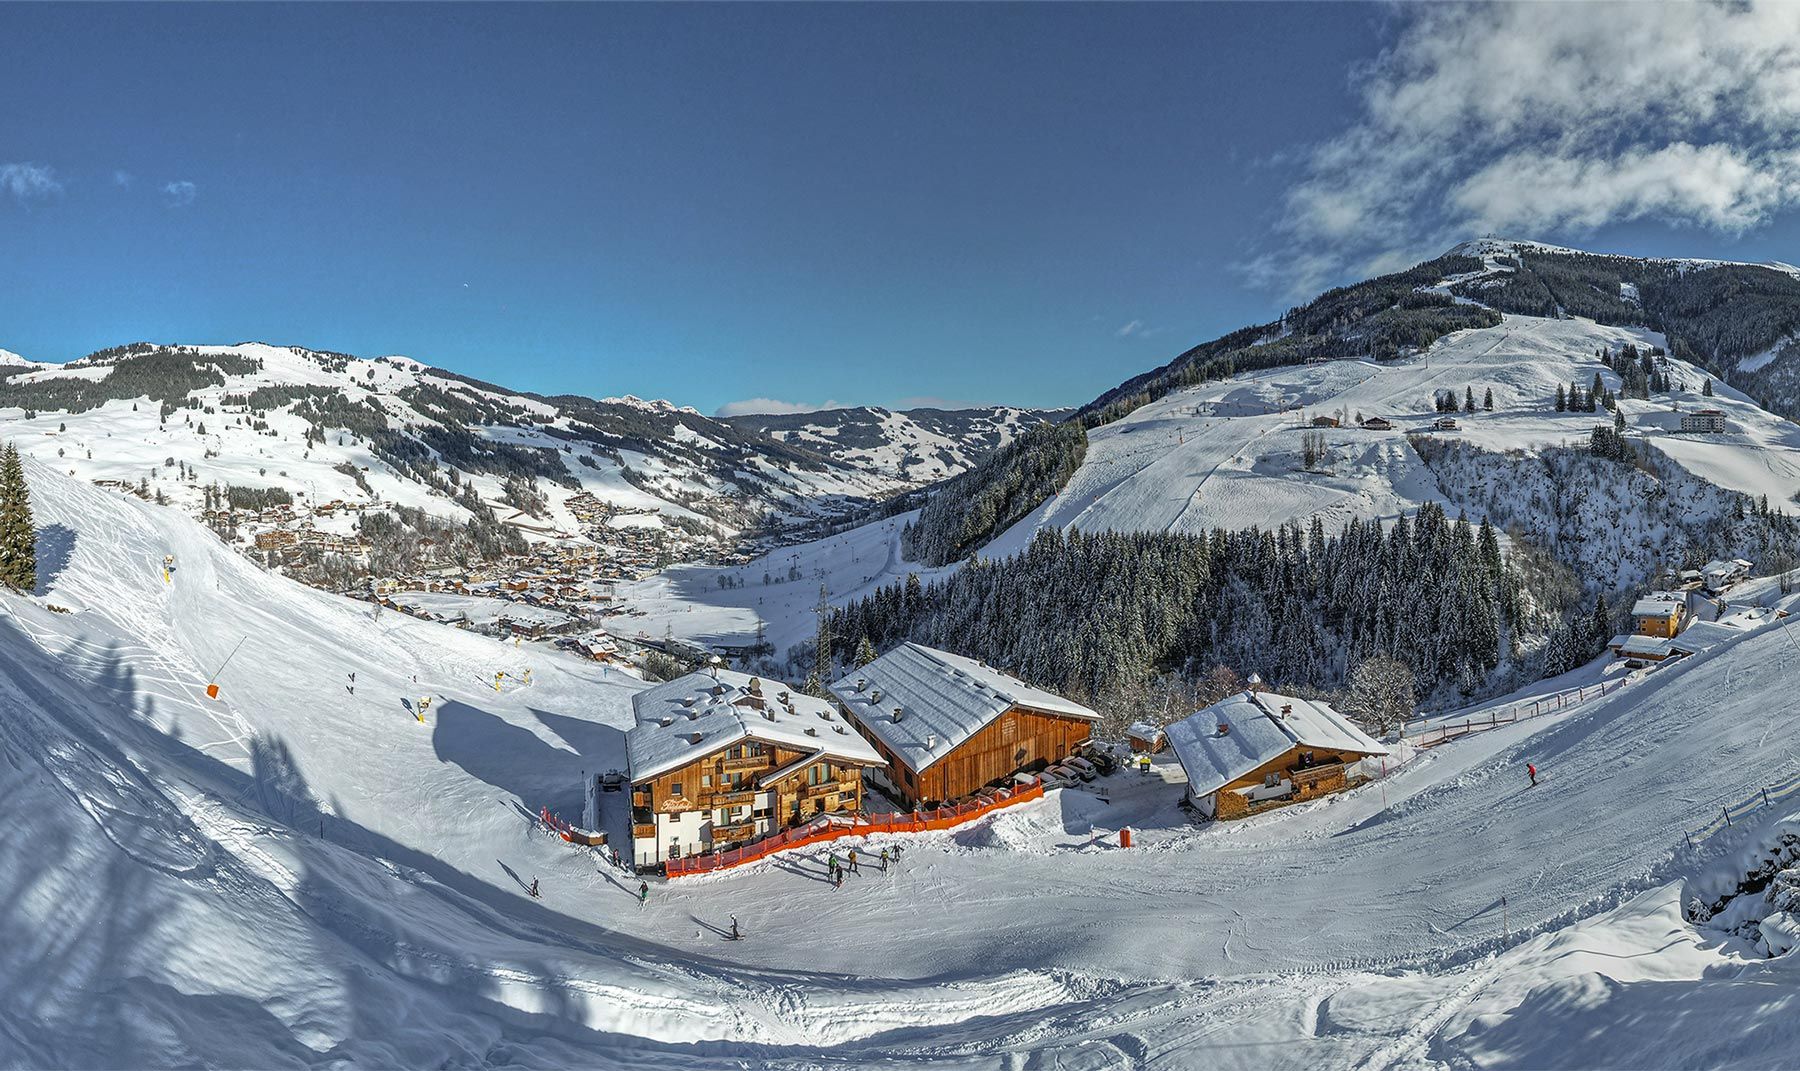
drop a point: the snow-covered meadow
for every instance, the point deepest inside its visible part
(301, 872)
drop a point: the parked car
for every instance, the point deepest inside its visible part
(1084, 769)
(1024, 780)
(1100, 757)
(1058, 776)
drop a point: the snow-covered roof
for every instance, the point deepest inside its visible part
(1723, 567)
(1659, 604)
(691, 717)
(1646, 647)
(1261, 726)
(1143, 730)
(944, 699)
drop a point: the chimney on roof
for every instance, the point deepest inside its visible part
(1286, 709)
(1224, 729)
(930, 740)
(861, 683)
(875, 696)
(898, 712)
(666, 720)
(756, 686)
(694, 737)
(812, 730)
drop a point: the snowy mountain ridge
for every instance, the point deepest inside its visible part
(1484, 248)
(331, 426)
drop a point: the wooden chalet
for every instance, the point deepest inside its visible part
(1257, 750)
(719, 759)
(1325, 422)
(949, 726)
(1376, 423)
(1146, 739)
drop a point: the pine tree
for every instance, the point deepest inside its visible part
(1468, 399)
(1707, 389)
(865, 652)
(18, 535)
(1562, 398)
(1487, 400)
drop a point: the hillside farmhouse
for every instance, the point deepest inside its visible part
(718, 759)
(948, 726)
(1257, 750)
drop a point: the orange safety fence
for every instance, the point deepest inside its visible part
(831, 827)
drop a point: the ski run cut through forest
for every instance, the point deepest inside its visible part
(1405, 683)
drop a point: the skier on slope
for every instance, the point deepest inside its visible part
(1531, 769)
(734, 929)
(853, 869)
(534, 891)
(643, 893)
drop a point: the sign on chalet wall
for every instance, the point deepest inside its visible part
(675, 805)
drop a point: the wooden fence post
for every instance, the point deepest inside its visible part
(1727, 814)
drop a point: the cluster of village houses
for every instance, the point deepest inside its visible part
(719, 759)
(1661, 620)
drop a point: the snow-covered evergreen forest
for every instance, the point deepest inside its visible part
(1104, 615)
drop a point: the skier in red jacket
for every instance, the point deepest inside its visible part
(1532, 770)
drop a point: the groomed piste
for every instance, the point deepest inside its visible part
(295, 873)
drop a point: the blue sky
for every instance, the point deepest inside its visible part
(853, 204)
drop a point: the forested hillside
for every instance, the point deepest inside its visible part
(1712, 314)
(1111, 616)
(1380, 319)
(971, 509)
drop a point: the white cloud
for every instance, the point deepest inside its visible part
(123, 179)
(772, 407)
(29, 182)
(1527, 119)
(1135, 327)
(180, 194)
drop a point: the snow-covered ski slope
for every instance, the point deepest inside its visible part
(1228, 454)
(298, 874)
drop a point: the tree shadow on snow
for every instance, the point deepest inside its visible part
(55, 546)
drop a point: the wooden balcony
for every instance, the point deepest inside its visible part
(751, 762)
(643, 832)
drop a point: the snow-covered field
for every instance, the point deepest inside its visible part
(688, 602)
(1228, 454)
(298, 873)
